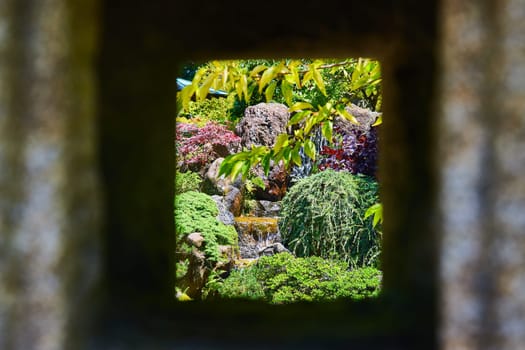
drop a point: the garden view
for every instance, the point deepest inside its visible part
(276, 186)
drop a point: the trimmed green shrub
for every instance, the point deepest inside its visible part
(188, 181)
(282, 279)
(215, 109)
(241, 283)
(197, 212)
(324, 215)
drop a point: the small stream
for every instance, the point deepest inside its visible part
(256, 235)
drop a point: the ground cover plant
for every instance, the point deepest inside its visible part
(283, 278)
(196, 212)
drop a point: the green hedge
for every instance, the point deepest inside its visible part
(282, 279)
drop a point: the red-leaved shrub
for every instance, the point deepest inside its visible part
(197, 148)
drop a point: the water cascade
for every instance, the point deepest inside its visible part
(256, 234)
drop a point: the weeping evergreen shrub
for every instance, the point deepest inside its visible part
(324, 215)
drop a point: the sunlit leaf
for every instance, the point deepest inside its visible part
(296, 156)
(341, 110)
(294, 73)
(307, 76)
(236, 168)
(282, 141)
(379, 120)
(185, 96)
(327, 130)
(238, 89)
(287, 155)
(245, 170)
(225, 76)
(318, 80)
(225, 167)
(257, 70)
(299, 134)
(257, 181)
(265, 162)
(309, 149)
(308, 125)
(267, 76)
(286, 88)
(203, 90)
(299, 106)
(298, 117)
(270, 90)
(244, 85)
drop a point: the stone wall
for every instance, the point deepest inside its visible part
(86, 172)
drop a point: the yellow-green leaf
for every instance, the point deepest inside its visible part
(257, 70)
(203, 90)
(270, 90)
(327, 130)
(265, 162)
(307, 76)
(299, 106)
(287, 155)
(245, 170)
(341, 110)
(225, 76)
(185, 96)
(318, 80)
(286, 88)
(299, 134)
(298, 117)
(282, 141)
(296, 156)
(267, 76)
(295, 74)
(379, 120)
(238, 89)
(309, 149)
(244, 85)
(236, 168)
(308, 125)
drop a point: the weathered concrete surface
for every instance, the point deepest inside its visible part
(49, 206)
(482, 157)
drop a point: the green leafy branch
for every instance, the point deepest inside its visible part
(285, 76)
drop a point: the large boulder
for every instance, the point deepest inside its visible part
(262, 123)
(365, 118)
(260, 126)
(215, 184)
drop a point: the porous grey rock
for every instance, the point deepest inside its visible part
(225, 216)
(365, 118)
(195, 239)
(233, 200)
(262, 123)
(264, 208)
(273, 249)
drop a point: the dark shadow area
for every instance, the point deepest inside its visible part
(142, 45)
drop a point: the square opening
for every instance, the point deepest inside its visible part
(277, 194)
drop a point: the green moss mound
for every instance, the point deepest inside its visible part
(187, 181)
(324, 215)
(197, 212)
(282, 279)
